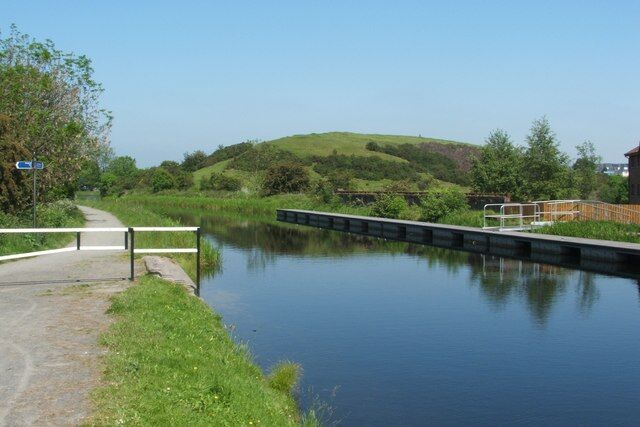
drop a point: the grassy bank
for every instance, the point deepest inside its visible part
(59, 214)
(171, 362)
(603, 230)
(133, 214)
(241, 204)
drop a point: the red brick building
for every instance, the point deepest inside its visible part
(634, 175)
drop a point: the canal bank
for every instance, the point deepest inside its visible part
(617, 258)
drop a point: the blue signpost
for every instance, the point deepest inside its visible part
(23, 164)
(34, 166)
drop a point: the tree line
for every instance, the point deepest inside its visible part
(539, 170)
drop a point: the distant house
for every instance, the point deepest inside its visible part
(621, 169)
(634, 175)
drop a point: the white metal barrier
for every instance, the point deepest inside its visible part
(511, 216)
(128, 243)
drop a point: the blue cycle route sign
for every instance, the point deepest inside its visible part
(23, 164)
(26, 164)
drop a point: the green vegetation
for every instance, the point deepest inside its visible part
(50, 111)
(389, 206)
(285, 178)
(249, 205)
(220, 182)
(440, 202)
(541, 171)
(603, 230)
(170, 361)
(133, 214)
(59, 214)
(362, 159)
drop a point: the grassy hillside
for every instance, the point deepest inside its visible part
(373, 161)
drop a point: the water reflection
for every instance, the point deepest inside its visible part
(499, 279)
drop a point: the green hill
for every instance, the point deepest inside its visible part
(372, 161)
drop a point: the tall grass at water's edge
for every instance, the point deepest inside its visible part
(134, 214)
(244, 204)
(172, 362)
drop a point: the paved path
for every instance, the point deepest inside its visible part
(52, 310)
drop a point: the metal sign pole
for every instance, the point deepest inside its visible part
(34, 193)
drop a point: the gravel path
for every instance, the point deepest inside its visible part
(52, 310)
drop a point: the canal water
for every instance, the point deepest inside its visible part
(391, 333)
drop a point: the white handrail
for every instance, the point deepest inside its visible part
(129, 234)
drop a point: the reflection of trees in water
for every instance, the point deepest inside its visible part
(499, 279)
(540, 285)
(587, 291)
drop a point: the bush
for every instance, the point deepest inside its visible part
(364, 167)
(58, 214)
(162, 180)
(389, 206)
(285, 178)
(220, 182)
(440, 202)
(323, 190)
(340, 180)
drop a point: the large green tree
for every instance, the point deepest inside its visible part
(498, 170)
(546, 171)
(51, 110)
(586, 169)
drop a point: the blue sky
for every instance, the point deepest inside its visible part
(189, 75)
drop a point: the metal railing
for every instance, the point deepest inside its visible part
(128, 244)
(511, 216)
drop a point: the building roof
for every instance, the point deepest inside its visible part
(633, 151)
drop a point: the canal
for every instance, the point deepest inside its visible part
(392, 333)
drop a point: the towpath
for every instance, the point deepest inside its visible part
(52, 310)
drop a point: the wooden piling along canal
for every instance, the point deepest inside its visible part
(618, 258)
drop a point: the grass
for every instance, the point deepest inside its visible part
(132, 214)
(323, 144)
(170, 361)
(234, 202)
(55, 215)
(603, 230)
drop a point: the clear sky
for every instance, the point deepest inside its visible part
(186, 75)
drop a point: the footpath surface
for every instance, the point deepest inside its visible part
(52, 310)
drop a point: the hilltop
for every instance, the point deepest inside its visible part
(370, 161)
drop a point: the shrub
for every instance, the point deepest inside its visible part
(220, 182)
(284, 377)
(323, 190)
(340, 180)
(372, 146)
(364, 167)
(389, 206)
(162, 180)
(439, 202)
(285, 178)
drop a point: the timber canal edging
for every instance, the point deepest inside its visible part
(602, 256)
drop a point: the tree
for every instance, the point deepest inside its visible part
(498, 170)
(162, 180)
(545, 168)
(439, 202)
(194, 161)
(51, 103)
(615, 190)
(586, 169)
(285, 178)
(125, 170)
(89, 176)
